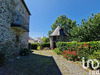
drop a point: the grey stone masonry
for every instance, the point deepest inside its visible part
(58, 35)
(14, 27)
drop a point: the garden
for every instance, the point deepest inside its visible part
(84, 40)
(75, 51)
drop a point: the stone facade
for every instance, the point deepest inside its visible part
(58, 35)
(14, 27)
(55, 39)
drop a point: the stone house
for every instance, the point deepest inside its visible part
(58, 35)
(14, 27)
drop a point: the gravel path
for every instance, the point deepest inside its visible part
(66, 67)
(44, 62)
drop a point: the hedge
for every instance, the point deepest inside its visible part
(83, 49)
(45, 45)
(94, 44)
(34, 46)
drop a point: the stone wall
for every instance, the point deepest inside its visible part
(60, 38)
(12, 40)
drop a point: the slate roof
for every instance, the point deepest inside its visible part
(57, 32)
(26, 7)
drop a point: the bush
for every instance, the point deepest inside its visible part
(34, 46)
(67, 44)
(25, 52)
(45, 39)
(39, 48)
(95, 55)
(45, 45)
(57, 51)
(63, 48)
(83, 49)
(70, 55)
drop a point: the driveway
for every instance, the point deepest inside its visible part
(45, 62)
(66, 67)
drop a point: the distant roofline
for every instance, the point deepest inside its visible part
(30, 38)
(26, 7)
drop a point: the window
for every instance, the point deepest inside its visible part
(54, 38)
(61, 32)
(18, 18)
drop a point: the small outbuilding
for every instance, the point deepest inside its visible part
(58, 35)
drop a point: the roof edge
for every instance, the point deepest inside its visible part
(26, 7)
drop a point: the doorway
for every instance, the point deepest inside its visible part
(54, 43)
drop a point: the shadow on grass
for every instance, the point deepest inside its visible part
(32, 65)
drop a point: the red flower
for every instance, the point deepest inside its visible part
(65, 56)
(74, 53)
(90, 46)
(71, 53)
(78, 42)
(85, 44)
(69, 46)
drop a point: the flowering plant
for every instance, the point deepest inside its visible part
(76, 53)
(69, 54)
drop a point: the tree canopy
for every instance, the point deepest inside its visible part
(45, 39)
(63, 21)
(89, 30)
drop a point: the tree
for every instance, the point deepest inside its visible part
(66, 23)
(92, 28)
(45, 39)
(89, 30)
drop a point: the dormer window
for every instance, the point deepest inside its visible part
(61, 32)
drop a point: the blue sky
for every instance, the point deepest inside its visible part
(45, 12)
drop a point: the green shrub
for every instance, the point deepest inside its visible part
(45, 39)
(34, 46)
(95, 55)
(39, 48)
(61, 44)
(67, 44)
(45, 45)
(57, 51)
(63, 48)
(99, 46)
(83, 49)
(25, 52)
